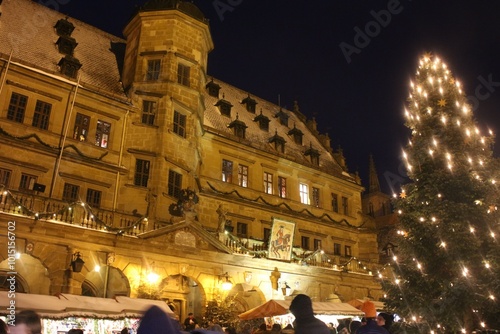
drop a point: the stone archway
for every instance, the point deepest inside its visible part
(108, 282)
(32, 276)
(246, 297)
(183, 294)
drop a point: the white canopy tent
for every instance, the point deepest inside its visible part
(65, 305)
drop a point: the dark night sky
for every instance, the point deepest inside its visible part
(292, 49)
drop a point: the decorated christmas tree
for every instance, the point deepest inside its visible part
(445, 273)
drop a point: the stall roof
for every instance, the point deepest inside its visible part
(273, 308)
(65, 305)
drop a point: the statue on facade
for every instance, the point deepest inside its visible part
(275, 276)
(222, 219)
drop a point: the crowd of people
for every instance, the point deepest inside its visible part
(156, 321)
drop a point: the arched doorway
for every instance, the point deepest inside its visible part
(107, 282)
(32, 276)
(183, 295)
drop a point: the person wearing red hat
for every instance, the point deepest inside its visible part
(371, 326)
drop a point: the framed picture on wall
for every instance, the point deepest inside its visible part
(281, 240)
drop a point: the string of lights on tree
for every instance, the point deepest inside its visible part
(446, 271)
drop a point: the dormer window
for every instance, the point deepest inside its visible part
(238, 127)
(283, 117)
(278, 141)
(224, 106)
(64, 27)
(213, 88)
(263, 121)
(313, 154)
(249, 103)
(69, 66)
(296, 135)
(66, 45)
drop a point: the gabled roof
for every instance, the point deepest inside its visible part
(194, 228)
(260, 139)
(34, 45)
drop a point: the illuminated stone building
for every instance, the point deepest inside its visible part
(166, 182)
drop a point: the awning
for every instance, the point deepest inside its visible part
(273, 308)
(379, 306)
(65, 305)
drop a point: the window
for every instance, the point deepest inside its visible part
(336, 249)
(17, 107)
(345, 206)
(317, 244)
(268, 183)
(179, 124)
(153, 72)
(243, 176)
(348, 251)
(183, 73)
(282, 187)
(94, 198)
(41, 115)
(70, 192)
(148, 112)
(27, 182)
(241, 229)
(304, 193)
(239, 130)
(267, 235)
(141, 173)
(174, 184)
(371, 212)
(335, 202)
(213, 88)
(69, 66)
(305, 242)
(227, 171)
(102, 134)
(81, 129)
(315, 160)
(315, 197)
(5, 177)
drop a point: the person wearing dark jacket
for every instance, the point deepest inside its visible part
(305, 321)
(156, 321)
(385, 320)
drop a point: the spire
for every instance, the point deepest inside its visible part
(373, 178)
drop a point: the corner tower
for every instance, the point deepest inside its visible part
(164, 73)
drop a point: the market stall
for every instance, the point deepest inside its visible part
(281, 307)
(277, 311)
(62, 312)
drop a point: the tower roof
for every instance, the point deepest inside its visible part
(183, 6)
(373, 178)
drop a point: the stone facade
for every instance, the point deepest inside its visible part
(132, 162)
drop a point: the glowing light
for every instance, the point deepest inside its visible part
(443, 119)
(433, 219)
(487, 265)
(492, 235)
(434, 141)
(400, 211)
(465, 272)
(492, 297)
(483, 324)
(467, 132)
(443, 244)
(472, 229)
(153, 278)
(465, 109)
(395, 258)
(18, 255)
(397, 281)
(431, 152)
(97, 268)
(422, 219)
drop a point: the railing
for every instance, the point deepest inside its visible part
(79, 214)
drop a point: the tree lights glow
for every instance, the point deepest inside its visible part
(447, 212)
